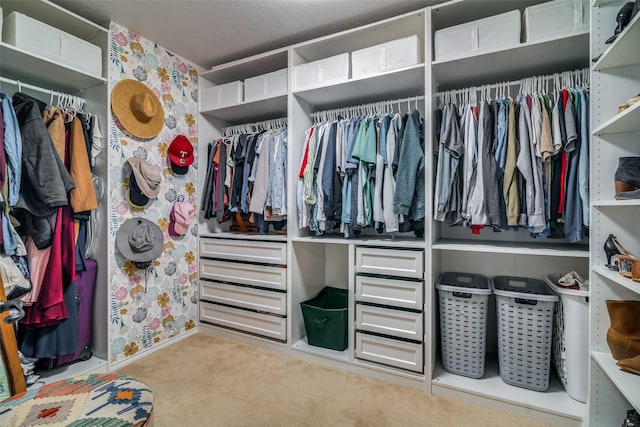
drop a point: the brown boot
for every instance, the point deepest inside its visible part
(630, 365)
(623, 336)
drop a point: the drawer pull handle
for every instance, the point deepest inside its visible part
(462, 295)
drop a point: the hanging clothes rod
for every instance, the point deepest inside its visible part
(255, 126)
(583, 72)
(37, 88)
(317, 115)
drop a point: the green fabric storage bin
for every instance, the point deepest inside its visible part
(325, 318)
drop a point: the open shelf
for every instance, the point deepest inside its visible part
(561, 54)
(521, 248)
(55, 16)
(617, 278)
(263, 109)
(304, 346)
(18, 64)
(612, 203)
(554, 401)
(93, 365)
(624, 50)
(247, 67)
(405, 82)
(627, 383)
(405, 242)
(626, 121)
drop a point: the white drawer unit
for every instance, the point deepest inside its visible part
(246, 274)
(390, 262)
(387, 291)
(248, 321)
(387, 321)
(244, 250)
(245, 297)
(401, 354)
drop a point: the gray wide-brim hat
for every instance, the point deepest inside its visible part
(140, 240)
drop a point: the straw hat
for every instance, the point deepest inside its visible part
(137, 108)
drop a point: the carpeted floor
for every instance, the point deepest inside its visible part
(209, 381)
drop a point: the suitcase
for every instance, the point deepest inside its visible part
(85, 287)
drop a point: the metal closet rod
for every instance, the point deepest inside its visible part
(584, 72)
(252, 127)
(365, 107)
(36, 88)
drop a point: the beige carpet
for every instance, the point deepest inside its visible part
(209, 381)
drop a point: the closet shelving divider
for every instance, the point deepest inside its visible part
(332, 260)
(615, 77)
(20, 65)
(491, 254)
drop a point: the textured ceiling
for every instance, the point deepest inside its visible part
(211, 32)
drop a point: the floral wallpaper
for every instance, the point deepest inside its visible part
(149, 307)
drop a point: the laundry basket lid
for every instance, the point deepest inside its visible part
(464, 282)
(522, 287)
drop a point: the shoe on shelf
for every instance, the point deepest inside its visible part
(633, 100)
(627, 178)
(623, 335)
(630, 365)
(612, 247)
(622, 107)
(622, 18)
(625, 264)
(635, 271)
(632, 420)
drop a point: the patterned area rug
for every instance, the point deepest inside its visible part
(91, 400)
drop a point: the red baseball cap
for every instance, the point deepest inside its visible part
(180, 154)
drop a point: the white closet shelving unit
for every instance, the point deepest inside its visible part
(507, 253)
(615, 77)
(332, 260)
(243, 287)
(20, 65)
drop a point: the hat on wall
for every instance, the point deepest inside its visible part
(139, 240)
(144, 182)
(137, 108)
(180, 218)
(180, 154)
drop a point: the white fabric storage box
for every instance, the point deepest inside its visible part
(571, 339)
(332, 70)
(471, 38)
(388, 56)
(555, 18)
(222, 95)
(51, 43)
(265, 86)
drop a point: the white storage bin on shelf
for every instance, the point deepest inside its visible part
(571, 339)
(221, 96)
(525, 309)
(265, 86)
(470, 38)
(388, 56)
(555, 18)
(332, 70)
(464, 303)
(51, 43)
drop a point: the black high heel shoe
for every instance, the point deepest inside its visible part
(612, 248)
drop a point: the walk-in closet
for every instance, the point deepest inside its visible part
(443, 198)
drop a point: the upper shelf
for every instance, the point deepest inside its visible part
(516, 248)
(533, 58)
(405, 82)
(18, 64)
(54, 15)
(253, 111)
(247, 67)
(624, 50)
(626, 121)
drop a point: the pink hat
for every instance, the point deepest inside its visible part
(181, 216)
